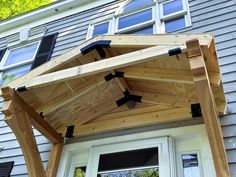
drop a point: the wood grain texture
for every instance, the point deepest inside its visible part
(208, 107)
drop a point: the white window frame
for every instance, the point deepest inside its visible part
(91, 27)
(158, 19)
(160, 143)
(181, 140)
(137, 26)
(4, 68)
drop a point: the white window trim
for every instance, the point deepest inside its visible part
(137, 26)
(158, 19)
(160, 143)
(185, 139)
(4, 68)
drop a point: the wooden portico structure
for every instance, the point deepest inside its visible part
(113, 83)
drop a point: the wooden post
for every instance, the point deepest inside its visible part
(22, 128)
(20, 117)
(208, 106)
(54, 160)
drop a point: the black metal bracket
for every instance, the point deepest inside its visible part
(175, 51)
(128, 97)
(70, 131)
(112, 76)
(99, 46)
(21, 89)
(196, 110)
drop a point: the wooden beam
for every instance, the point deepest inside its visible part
(165, 75)
(70, 95)
(54, 160)
(37, 121)
(20, 124)
(101, 66)
(116, 41)
(132, 121)
(166, 100)
(97, 111)
(208, 107)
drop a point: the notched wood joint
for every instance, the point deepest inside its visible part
(193, 48)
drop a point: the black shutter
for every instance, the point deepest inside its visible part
(2, 52)
(45, 50)
(5, 169)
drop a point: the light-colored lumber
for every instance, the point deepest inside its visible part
(116, 41)
(54, 160)
(70, 95)
(21, 126)
(163, 99)
(208, 107)
(132, 121)
(37, 121)
(100, 66)
(166, 75)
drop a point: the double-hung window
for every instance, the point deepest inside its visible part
(145, 17)
(17, 61)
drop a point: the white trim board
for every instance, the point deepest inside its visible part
(195, 136)
(48, 14)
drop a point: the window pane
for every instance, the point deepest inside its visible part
(190, 165)
(172, 7)
(80, 172)
(136, 4)
(175, 24)
(128, 159)
(146, 172)
(14, 73)
(21, 54)
(135, 19)
(143, 31)
(101, 29)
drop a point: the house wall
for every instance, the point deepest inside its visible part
(218, 17)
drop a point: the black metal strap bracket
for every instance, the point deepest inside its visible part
(112, 76)
(175, 51)
(21, 89)
(99, 46)
(70, 131)
(128, 97)
(196, 110)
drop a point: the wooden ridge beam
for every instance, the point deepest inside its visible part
(208, 107)
(100, 66)
(36, 120)
(166, 75)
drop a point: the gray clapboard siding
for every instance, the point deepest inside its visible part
(217, 17)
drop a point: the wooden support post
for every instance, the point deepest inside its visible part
(54, 160)
(20, 117)
(208, 106)
(20, 124)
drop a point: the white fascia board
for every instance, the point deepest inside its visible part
(47, 14)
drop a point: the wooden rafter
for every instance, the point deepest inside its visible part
(100, 66)
(166, 75)
(21, 117)
(70, 95)
(116, 41)
(208, 106)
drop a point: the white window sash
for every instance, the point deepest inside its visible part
(160, 143)
(3, 68)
